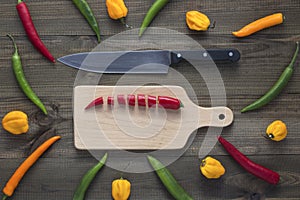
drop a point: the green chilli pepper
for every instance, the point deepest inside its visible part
(18, 70)
(277, 87)
(87, 179)
(168, 180)
(152, 12)
(87, 12)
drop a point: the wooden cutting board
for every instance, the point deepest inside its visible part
(139, 128)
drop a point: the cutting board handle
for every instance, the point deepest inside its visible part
(215, 116)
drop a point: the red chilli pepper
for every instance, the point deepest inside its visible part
(131, 99)
(169, 102)
(252, 167)
(164, 101)
(30, 30)
(96, 102)
(141, 99)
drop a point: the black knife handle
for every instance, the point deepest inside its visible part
(232, 55)
(217, 55)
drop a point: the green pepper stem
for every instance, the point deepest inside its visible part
(291, 65)
(20, 1)
(14, 43)
(122, 20)
(181, 105)
(4, 197)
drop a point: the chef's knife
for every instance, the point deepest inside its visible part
(144, 61)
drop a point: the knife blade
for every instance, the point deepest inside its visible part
(143, 61)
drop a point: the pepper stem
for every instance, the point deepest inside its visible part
(181, 104)
(213, 25)
(4, 197)
(295, 56)
(20, 1)
(122, 20)
(14, 43)
(203, 163)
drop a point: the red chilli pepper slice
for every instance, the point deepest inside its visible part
(30, 30)
(141, 99)
(131, 99)
(110, 100)
(252, 167)
(96, 102)
(151, 101)
(169, 102)
(121, 99)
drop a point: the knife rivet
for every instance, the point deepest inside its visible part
(178, 55)
(230, 53)
(205, 54)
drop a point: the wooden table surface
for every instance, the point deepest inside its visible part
(64, 31)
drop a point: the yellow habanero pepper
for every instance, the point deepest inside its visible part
(197, 20)
(276, 131)
(117, 10)
(15, 122)
(211, 168)
(120, 189)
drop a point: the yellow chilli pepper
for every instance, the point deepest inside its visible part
(117, 10)
(197, 20)
(276, 131)
(211, 168)
(120, 189)
(15, 122)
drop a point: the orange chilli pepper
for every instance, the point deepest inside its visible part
(260, 24)
(14, 180)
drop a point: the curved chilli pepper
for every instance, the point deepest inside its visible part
(163, 101)
(15, 179)
(30, 30)
(131, 99)
(18, 70)
(152, 12)
(141, 99)
(88, 178)
(96, 102)
(252, 167)
(169, 102)
(260, 24)
(277, 87)
(87, 12)
(168, 180)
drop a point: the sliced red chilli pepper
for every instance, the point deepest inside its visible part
(96, 102)
(164, 101)
(151, 101)
(110, 100)
(121, 99)
(252, 167)
(169, 102)
(131, 99)
(141, 99)
(30, 30)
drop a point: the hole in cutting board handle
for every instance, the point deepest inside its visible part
(221, 116)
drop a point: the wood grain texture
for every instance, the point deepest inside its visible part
(64, 31)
